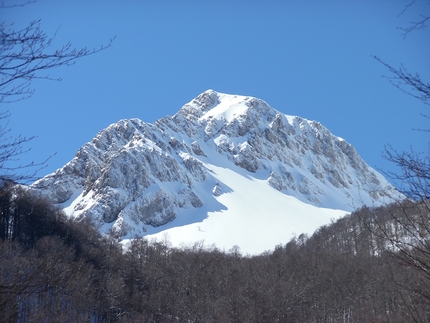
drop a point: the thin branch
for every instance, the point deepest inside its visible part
(415, 87)
(3, 6)
(26, 52)
(416, 25)
(406, 8)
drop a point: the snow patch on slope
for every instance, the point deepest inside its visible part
(255, 217)
(226, 169)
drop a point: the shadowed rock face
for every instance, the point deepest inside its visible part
(134, 174)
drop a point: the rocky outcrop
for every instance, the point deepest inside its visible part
(134, 174)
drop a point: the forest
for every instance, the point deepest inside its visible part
(369, 266)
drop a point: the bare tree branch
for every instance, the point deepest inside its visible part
(11, 148)
(25, 55)
(406, 8)
(407, 82)
(3, 5)
(26, 52)
(413, 25)
(414, 172)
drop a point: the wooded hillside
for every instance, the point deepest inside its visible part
(53, 269)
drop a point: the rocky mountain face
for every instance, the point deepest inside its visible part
(134, 175)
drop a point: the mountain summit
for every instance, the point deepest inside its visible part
(226, 169)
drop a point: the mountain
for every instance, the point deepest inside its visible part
(226, 169)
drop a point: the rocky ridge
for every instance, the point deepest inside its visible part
(135, 175)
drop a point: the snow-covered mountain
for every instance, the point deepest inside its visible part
(226, 169)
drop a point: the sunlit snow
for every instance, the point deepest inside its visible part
(226, 170)
(252, 215)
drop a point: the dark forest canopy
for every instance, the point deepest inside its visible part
(348, 271)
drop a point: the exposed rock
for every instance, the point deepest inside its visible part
(196, 149)
(134, 174)
(217, 191)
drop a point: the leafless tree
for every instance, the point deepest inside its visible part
(410, 83)
(405, 226)
(413, 179)
(25, 55)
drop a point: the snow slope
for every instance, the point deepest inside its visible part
(226, 169)
(250, 214)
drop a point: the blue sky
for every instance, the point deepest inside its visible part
(305, 58)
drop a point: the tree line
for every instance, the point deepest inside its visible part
(54, 269)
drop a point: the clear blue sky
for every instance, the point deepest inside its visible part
(305, 58)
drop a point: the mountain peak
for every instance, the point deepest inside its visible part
(221, 160)
(201, 104)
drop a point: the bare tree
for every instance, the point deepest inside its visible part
(11, 148)
(413, 176)
(25, 55)
(414, 167)
(405, 228)
(410, 83)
